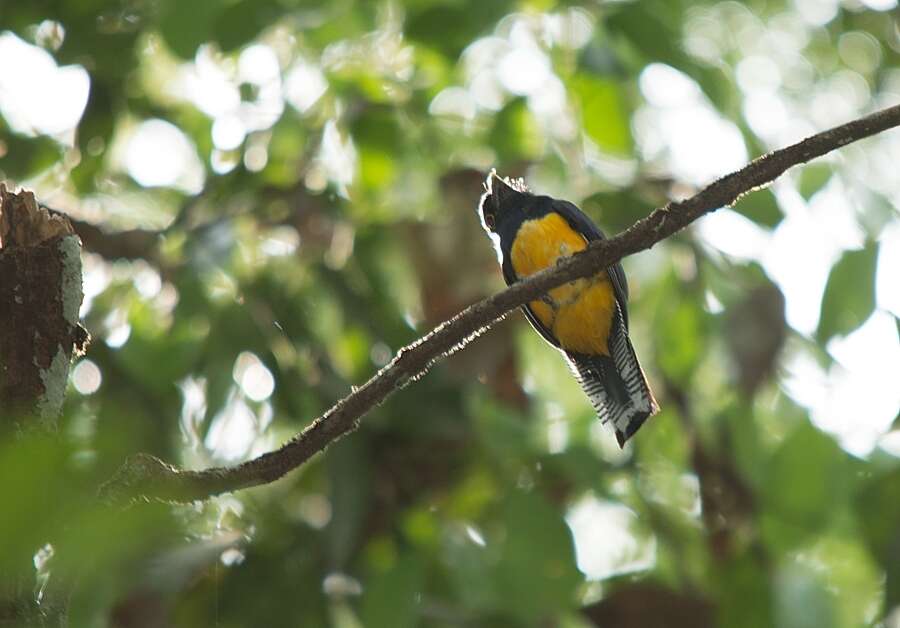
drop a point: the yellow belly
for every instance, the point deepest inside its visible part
(579, 314)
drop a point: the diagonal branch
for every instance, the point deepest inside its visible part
(147, 476)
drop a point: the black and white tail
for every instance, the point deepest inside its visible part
(616, 384)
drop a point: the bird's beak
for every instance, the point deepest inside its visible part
(500, 192)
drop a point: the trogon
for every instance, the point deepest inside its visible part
(586, 319)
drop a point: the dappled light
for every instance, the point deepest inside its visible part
(36, 95)
(158, 154)
(86, 377)
(606, 541)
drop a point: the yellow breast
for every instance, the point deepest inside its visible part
(579, 314)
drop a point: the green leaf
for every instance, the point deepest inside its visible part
(681, 334)
(747, 451)
(760, 207)
(516, 135)
(654, 30)
(843, 568)
(241, 22)
(616, 210)
(22, 157)
(285, 153)
(186, 25)
(377, 134)
(806, 480)
(744, 594)
(537, 563)
(603, 112)
(392, 599)
(849, 297)
(878, 505)
(813, 178)
(468, 567)
(94, 136)
(451, 26)
(350, 478)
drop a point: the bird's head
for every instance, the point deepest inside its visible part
(501, 196)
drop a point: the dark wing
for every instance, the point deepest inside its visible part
(510, 276)
(579, 221)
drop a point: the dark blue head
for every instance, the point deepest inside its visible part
(503, 198)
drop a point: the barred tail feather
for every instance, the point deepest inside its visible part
(616, 384)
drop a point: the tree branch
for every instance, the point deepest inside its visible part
(147, 476)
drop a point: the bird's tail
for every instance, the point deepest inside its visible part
(616, 385)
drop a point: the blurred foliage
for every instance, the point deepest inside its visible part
(850, 293)
(313, 211)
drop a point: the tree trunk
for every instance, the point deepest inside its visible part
(40, 296)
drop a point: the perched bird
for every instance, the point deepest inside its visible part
(586, 319)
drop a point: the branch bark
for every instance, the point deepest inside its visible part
(149, 477)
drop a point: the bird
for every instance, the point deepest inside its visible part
(585, 319)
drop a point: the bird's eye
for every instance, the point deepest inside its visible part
(489, 220)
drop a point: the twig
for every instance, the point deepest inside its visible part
(146, 476)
